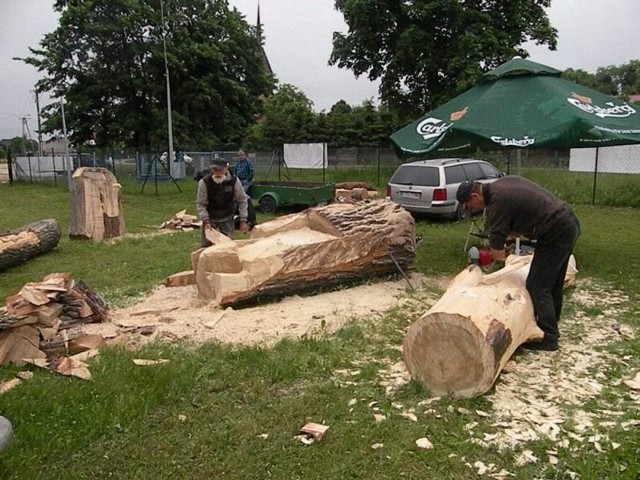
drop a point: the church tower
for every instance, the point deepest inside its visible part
(265, 60)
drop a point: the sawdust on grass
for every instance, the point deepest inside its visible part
(177, 313)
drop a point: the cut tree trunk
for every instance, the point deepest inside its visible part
(460, 345)
(96, 205)
(320, 247)
(20, 245)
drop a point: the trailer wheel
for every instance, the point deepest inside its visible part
(267, 204)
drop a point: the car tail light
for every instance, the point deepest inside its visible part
(388, 192)
(439, 194)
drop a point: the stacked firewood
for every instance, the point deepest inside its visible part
(181, 221)
(351, 192)
(46, 319)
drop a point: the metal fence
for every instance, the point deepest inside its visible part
(606, 176)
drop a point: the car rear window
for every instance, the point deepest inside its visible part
(416, 175)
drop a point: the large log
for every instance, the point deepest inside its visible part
(27, 242)
(460, 345)
(320, 247)
(96, 205)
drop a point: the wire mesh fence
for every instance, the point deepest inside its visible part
(605, 176)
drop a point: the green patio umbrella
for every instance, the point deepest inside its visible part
(522, 104)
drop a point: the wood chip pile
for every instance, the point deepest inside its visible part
(181, 221)
(45, 320)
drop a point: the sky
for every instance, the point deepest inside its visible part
(298, 33)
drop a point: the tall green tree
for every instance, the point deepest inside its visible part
(288, 118)
(581, 77)
(425, 52)
(623, 80)
(107, 60)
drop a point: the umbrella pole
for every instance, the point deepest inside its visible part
(595, 178)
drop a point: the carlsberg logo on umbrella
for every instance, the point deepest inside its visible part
(514, 142)
(432, 127)
(611, 110)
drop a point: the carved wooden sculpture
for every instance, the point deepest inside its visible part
(460, 345)
(322, 246)
(96, 205)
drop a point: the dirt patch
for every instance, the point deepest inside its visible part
(177, 313)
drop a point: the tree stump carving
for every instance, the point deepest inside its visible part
(96, 205)
(319, 247)
(460, 345)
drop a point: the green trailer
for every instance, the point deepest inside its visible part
(271, 195)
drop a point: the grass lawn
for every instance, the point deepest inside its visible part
(218, 411)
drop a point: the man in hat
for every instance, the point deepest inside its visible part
(516, 206)
(219, 193)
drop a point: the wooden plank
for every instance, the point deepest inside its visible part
(181, 279)
(34, 296)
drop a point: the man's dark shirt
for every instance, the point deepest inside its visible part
(519, 207)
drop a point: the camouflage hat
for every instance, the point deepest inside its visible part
(219, 164)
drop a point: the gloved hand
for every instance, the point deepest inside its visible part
(493, 266)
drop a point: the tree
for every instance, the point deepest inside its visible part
(425, 52)
(19, 146)
(288, 118)
(623, 80)
(106, 59)
(581, 77)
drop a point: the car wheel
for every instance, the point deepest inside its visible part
(460, 213)
(267, 204)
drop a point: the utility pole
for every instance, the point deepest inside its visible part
(24, 135)
(68, 165)
(39, 125)
(166, 68)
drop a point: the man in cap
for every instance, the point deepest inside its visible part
(219, 193)
(516, 206)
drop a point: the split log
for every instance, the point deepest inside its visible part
(320, 247)
(96, 205)
(181, 279)
(54, 323)
(27, 242)
(460, 345)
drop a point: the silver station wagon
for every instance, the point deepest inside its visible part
(429, 186)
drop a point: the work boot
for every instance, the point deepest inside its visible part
(545, 345)
(5, 432)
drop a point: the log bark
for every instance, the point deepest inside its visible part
(320, 247)
(460, 345)
(27, 242)
(96, 205)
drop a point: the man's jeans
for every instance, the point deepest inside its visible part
(546, 275)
